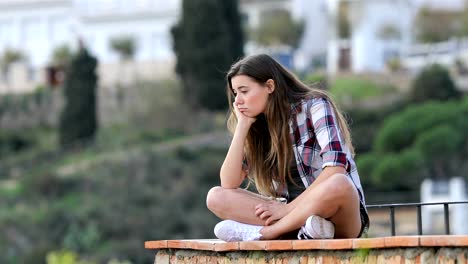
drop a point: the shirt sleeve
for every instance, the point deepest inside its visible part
(328, 134)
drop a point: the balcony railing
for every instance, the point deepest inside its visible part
(393, 207)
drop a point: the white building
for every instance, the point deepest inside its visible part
(370, 45)
(313, 45)
(380, 30)
(36, 27)
(453, 190)
(312, 50)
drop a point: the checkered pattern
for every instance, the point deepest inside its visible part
(318, 143)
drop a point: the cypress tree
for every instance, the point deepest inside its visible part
(78, 122)
(234, 23)
(207, 40)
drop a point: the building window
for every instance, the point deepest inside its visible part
(31, 73)
(5, 33)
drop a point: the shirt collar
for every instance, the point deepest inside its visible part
(296, 107)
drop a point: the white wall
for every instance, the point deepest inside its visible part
(35, 30)
(432, 215)
(368, 49)
(316, 32)
(37, 27)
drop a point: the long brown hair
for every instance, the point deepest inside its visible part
(268, 146)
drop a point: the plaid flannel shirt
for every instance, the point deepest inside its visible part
(317, 143)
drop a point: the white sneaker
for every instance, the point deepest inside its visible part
(229, 230)
(316, 227)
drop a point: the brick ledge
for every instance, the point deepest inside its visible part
(328, 244)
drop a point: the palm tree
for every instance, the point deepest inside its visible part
(8, 58)
(124, 46)
(59, 62)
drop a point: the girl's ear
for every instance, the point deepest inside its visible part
(270, 84)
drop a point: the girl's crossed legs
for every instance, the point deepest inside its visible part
(335, 199)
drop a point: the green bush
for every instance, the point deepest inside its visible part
(398, 171)
(365, 124)
(355, 88)
(366, 164)
(402, 129)
(434, 83)
(428, 139)
(11, 142)
(316, 79)
(108, 209)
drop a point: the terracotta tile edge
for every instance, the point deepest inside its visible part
(177, 244)
(157, 244)
(376, 242)
(200, 245)
(444, 241)
(402, 241)
(226, 246)
(279, 245)
(336, 244)
(306, 244)
(253, 245)
(332, 244)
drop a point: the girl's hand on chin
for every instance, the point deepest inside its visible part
(241, 118)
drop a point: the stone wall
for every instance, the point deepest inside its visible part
(388, 256)
(398, 249)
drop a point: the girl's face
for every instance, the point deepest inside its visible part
(251, 96)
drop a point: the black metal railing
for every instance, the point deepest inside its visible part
(418, 206)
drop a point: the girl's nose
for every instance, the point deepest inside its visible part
(238, 100)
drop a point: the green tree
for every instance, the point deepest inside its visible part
(344, 21)
(234, 24)
(78, 119)
(9, 57)
(437, 25)
(207, 40)
(425, 140)
(434, 83)
(278, 28)
(389, 32)
(124, 46)
(61, 56)
(464, 20)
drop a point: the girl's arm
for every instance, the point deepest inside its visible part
(232, 175)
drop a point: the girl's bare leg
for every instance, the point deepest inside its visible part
(235, 204)
(335, 199)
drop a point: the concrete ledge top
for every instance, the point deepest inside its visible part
(324, 244)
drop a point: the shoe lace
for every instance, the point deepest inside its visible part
(303, 233)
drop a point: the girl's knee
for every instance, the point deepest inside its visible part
(214, 198)
(340, 185)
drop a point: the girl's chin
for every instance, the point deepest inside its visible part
(248, 114)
